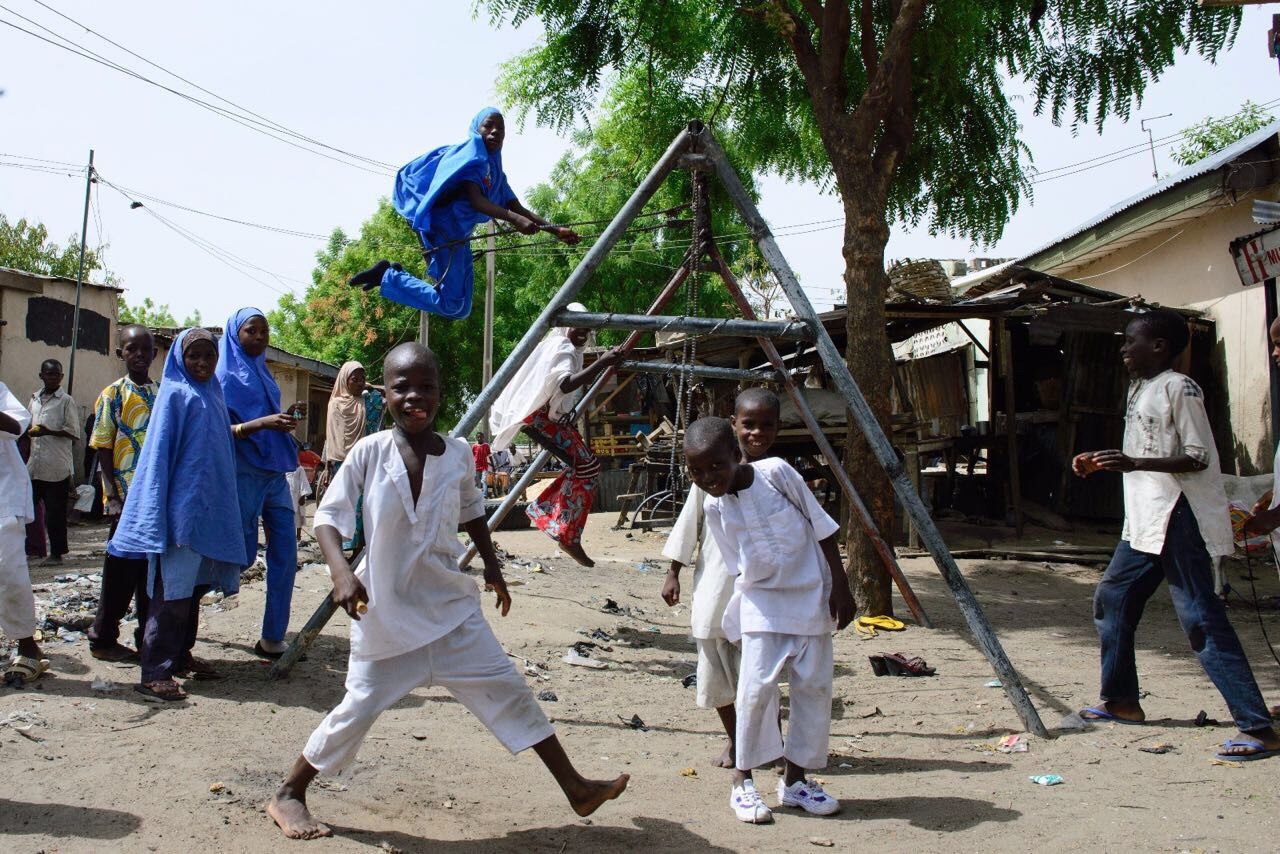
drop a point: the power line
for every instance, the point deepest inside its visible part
(252, 124)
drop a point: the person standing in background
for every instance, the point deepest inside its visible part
(55, 427)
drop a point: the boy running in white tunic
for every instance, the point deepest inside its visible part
(755, 421)
(416, 618)
(789, 594)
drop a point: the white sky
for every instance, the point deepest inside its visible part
(388, 83)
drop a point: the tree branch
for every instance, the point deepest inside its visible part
(884, 87)
(834, 35)
(899, 123)
(870, 55)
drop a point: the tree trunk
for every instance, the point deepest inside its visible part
(866, 233)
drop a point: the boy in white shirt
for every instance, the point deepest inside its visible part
(789, 594)
(17, 602)
(1175, 518)
(755, 421)
(416, 617)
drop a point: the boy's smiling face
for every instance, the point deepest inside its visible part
(756, 425)
(413, 391)
(1143, 355)
(137, 349)
(712, 469)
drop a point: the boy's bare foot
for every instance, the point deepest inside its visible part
(575, 551)
(291, 815)
(588, 795)
(725, 760)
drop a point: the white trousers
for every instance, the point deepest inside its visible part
(17, 602)
(468, 661)
(806, 663)
(718, 663)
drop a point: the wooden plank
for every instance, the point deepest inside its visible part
(1011, 426)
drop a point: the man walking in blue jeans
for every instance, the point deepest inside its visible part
(1175, 518)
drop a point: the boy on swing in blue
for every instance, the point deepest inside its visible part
(444, 194)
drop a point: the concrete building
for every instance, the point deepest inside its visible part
(1170, 245)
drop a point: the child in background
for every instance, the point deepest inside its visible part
(1175, 518)
(755, 421)
(121, 417)
(265, 453)
(416, 617)
(790, 592)
(17, 602)
(182, 513)
(299, 489)
(55, 427)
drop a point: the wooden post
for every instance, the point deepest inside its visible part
(1011, 423)
(490, 271)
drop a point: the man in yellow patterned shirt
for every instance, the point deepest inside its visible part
(120, 427)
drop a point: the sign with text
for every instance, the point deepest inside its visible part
(1257, 256)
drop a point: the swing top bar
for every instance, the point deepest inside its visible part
(791, 330)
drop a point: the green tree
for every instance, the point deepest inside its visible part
(149, 314)
(900, 106)
(1204, 138)
(26, 246)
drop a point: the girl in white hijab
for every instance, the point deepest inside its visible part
(537, 401)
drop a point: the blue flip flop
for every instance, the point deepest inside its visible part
(1247, 741)
(1102, 715)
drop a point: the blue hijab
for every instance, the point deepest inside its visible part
(184, 489)
(251, 392)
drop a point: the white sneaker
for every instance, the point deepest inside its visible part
(748, 806)
(807, 795)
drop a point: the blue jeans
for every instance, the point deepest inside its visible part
(265, 495)
(1133, 577)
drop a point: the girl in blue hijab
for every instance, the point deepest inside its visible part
(182, 512)
(444, 194)
(265, 453)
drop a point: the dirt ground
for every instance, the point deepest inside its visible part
(912, 759)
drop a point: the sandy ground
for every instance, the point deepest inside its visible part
(911, 759)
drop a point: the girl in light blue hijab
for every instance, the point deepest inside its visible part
(444, 194)
(265, 454)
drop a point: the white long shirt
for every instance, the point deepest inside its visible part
(51, 456)
(712, 582)
(1165, 417)
(409, 566)
(769, 534)
(15, 485)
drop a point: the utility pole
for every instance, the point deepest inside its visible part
(75, 317)
(424, 328)
(1151, 143)
(490, 268)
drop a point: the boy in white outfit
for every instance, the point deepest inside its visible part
(755, 421)
(789, 594)
(17, 603)
(416, 617)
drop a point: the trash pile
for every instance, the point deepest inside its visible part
(65, 606)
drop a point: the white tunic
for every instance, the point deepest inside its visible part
(768, 534)
(1165, 417)
(712, 582)
(15, 486)
(410, 564)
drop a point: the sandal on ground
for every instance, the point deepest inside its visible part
(1257, 748)
(167, 690)
(1098, 714)
(897, 664)
(888, 624)
(118, 652)
(199, 669)
(24, 669)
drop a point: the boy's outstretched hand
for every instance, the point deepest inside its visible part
(841, 601)
(1084, 464)
(348, 593)
(494, 581)
(671, 586)
(566, 235)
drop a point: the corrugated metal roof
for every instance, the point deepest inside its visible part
(1213, 162)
